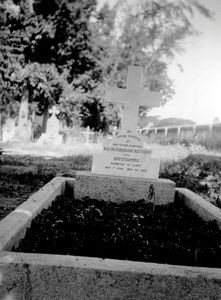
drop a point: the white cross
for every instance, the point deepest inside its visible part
(87, 134)
(132, 97)
(54, 111)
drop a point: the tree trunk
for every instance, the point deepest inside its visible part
(45, 120)
(0, 125)
(33, 125)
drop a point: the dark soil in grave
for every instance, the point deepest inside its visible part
(136, 231)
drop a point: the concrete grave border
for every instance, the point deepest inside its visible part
(44, 276)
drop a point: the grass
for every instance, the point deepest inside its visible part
(198, 172)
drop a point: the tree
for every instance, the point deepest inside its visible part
(58, 51)
(149, 33)
(66, 51)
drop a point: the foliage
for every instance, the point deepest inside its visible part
(44, 83)
(199, 173)
(57, 51)
(63, 52)
(148, 33)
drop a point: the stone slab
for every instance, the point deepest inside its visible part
(120, 189)
(44, 276)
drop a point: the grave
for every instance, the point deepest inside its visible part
(52, 136)
(47, 276)
(125, 169)
(23, 131)
(87, 133)
(8, 130)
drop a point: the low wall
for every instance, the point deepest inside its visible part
(207, 135)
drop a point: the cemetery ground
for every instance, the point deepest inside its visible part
(22, 175)
(179, 252)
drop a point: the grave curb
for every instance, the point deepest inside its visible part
(203, 207)
(45, 276)
(14, 225)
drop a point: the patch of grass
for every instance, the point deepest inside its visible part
(50, 164)
(199, 173)
(15, 189)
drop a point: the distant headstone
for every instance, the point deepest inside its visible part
(24, 127)
(52, 136)
(125, 154)
(8, 130)
(87, 134)
(53, 125)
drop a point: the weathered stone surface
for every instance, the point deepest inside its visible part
(126, 156)
(43, 276)
(13, 226)
(132, 97)
(204, 208)
(13, 279)
(119, 189)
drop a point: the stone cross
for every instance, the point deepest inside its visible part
(87, 134)
(53, 122)
(23, 113)
(54, 111)
(132, 97)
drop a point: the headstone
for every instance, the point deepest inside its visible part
(125, 154)
(125, 169)
(52, 128)
(8, 131)
(24, 128)
(52, 136)
(87, 134)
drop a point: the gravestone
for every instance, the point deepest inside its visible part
(24, 128)
(125, 155)
(52, 128)
(8, 130)
(125, 168)
(52, 136)
(87, 133)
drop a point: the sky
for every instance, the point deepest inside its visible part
(198, 87)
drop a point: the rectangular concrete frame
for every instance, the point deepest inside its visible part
(44, 276)
(119, 188)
